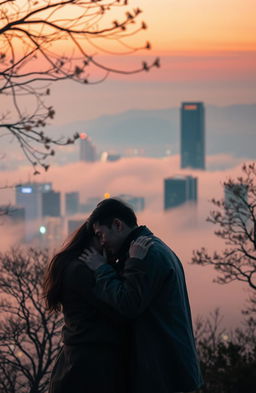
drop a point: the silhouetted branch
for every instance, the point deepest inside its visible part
(29, 336)
(236, 218)
(41, 44)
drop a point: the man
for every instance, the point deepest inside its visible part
(152, 293)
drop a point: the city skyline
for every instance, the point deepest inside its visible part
(147, 176)
(192, 136)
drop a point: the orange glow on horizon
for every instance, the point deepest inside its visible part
(186, 26)
(195, 40)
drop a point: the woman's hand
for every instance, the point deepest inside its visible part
(139, 247)
(92, 258)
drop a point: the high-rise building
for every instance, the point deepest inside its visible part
(192, 135)
(50, 233)
(235, 193)
(89, 204)
(179, 190)
(71, 203)
(51, 204)
(73, 225)
(137, 203)
(29, 196)
(87, 149)
(236, 198)
(111, 157)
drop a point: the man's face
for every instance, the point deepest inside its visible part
(110, 238)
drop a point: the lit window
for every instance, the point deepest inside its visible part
(26, 190)
(190, 107)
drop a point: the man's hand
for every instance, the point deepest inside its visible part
(139, 247)
(92, 258)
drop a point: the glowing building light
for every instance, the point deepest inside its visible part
(46, 187)
(83, 135)
(42, 229)
(190, 107)
(26, 190)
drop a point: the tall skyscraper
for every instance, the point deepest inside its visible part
(105, 156)
(29, 196)
(236, 198)
(71, 203)
(73, 225)
(50, 234)
(179, 190)
(87, 149)
(137, 203)
(51, 204)
(89, 204)
(235, 193)
(192, 135)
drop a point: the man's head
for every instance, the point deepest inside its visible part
(112, 221)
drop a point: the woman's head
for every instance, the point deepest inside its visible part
(52, 286)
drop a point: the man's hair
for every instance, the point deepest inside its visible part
(109, 209)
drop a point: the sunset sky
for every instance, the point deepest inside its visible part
(201, 25)
(207, 50)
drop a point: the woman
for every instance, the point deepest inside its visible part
(94, 357)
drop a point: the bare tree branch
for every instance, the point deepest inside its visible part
(51, 41)
(236, 219)
(29, 336)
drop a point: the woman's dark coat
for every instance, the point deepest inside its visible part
(153, 294)
(92, 359)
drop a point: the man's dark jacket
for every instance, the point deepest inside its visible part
(152, 292)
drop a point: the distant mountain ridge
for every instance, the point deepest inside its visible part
(229, 130)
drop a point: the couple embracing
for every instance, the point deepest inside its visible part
(127, 320)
